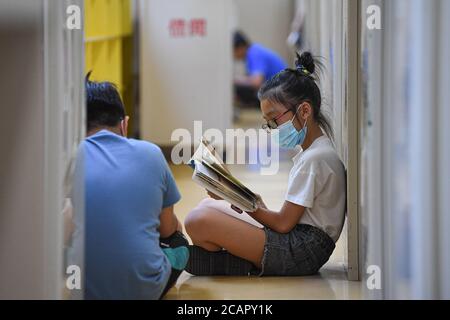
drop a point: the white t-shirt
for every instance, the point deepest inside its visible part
(318, 182)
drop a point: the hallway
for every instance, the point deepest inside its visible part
(93, 90)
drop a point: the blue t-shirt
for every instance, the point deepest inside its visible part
(261, 60)
(127, 184)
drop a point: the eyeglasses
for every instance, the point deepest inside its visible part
(272, 124)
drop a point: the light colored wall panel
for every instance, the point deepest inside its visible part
(42, 86)
(444, 147)
(405, 154)
(22, 137)
(184, 79)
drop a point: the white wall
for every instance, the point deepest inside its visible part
(22, 162)
(184, 79)
(41, 87)
(406, 150)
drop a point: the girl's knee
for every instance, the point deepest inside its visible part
(195, 219)
(206, 203)
(199, 212)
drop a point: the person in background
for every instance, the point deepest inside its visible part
(261, 65)
(134, 246)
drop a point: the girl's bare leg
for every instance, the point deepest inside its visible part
(211, 227)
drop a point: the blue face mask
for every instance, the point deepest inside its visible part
(289, 136)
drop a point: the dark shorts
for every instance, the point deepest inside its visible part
(301, 252)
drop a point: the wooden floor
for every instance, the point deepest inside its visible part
(331, 283)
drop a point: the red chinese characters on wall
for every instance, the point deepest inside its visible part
(181, 28)
(197, 27)
(177, 28)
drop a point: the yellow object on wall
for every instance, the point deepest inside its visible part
(107, 18)
(109, 45)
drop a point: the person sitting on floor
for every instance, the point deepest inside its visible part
(134, 246)
(261, 64)
(300, 238)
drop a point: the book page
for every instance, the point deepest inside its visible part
(211, 173)
(207, 155)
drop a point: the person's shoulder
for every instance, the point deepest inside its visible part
(257, 46)
(321, 154)
(100, 136)
(257, 49)
(261, 49)
(325, 148)
(104, 138)
(145, 146)
(147, 149)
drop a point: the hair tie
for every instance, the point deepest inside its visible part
(303, 70)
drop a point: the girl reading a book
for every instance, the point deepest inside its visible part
(300, 238)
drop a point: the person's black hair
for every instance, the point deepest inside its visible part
(240, 40)
(292, 87)
(104, 105)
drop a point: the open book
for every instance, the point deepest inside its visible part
(211, 174)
